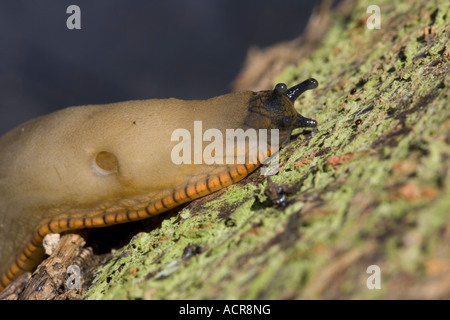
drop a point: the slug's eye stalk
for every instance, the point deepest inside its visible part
(280, 89)
(294, 92)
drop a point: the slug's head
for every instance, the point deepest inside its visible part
(275, 109)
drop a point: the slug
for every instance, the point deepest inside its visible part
(98, 165)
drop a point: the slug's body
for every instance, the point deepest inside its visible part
(98, 165)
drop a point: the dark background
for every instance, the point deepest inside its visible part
(188, 49)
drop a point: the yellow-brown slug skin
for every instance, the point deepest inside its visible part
(97, 165)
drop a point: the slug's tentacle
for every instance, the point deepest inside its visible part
(294, 92)
(303, 122)
(280, 89)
